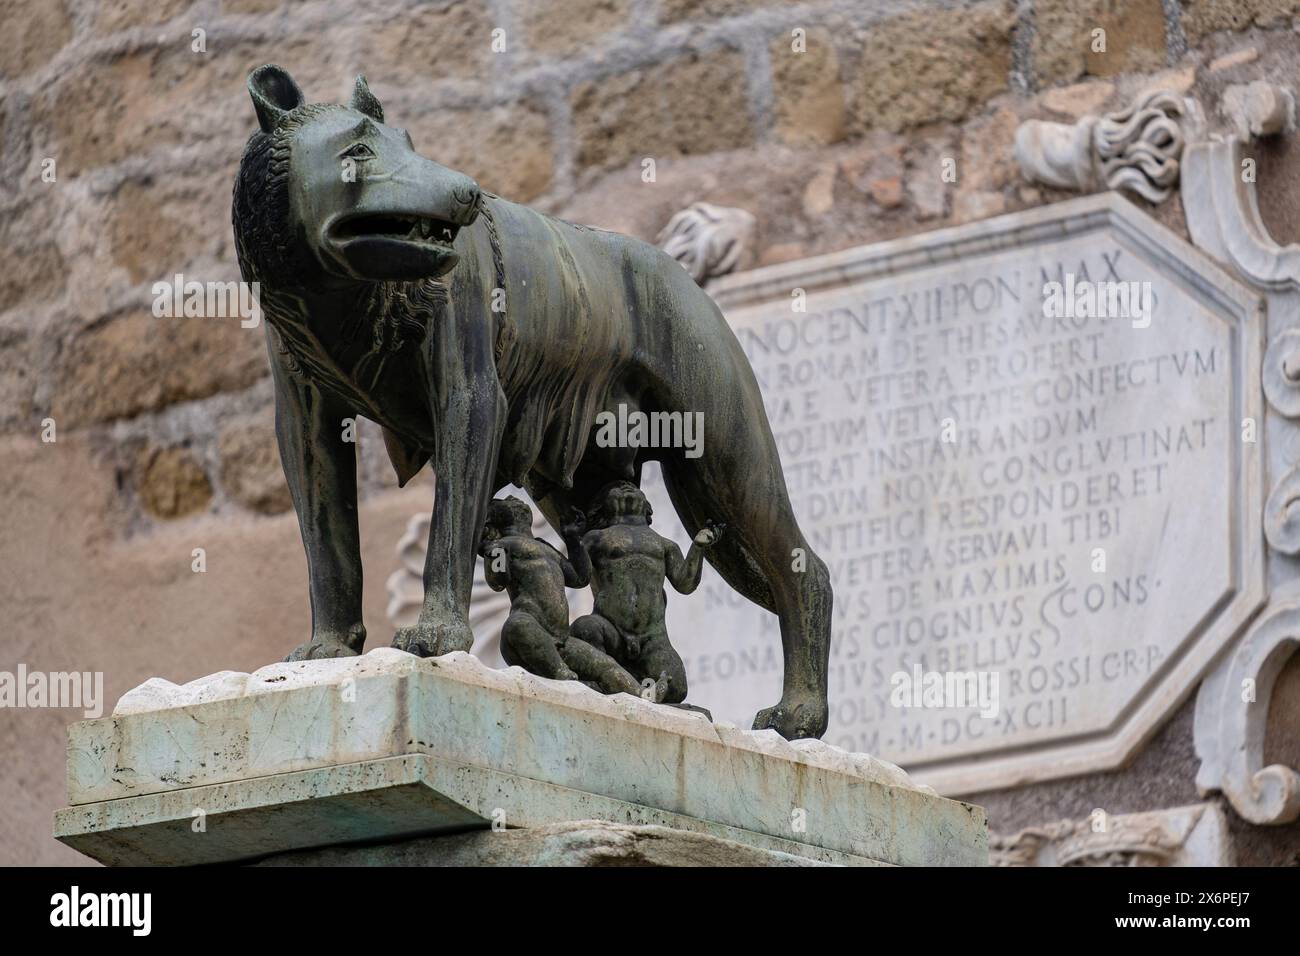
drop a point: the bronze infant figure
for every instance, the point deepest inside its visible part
(487, 337)
(629, 563)
(535, 635)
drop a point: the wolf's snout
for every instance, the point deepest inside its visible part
(465, 200)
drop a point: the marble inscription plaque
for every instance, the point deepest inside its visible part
(1067, 505)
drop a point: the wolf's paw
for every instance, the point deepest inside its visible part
(328, 646)
(433, 640)
(795, 717)
(662, 688)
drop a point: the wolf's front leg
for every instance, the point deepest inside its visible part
(321, 471)
(472, 412)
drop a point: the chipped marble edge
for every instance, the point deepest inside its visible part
(157, 694)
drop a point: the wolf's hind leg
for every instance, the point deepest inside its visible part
(765, 557)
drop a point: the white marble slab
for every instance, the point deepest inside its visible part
(265, 752)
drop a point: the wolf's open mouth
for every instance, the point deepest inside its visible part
(408, 228)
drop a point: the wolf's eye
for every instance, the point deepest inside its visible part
(359, 152)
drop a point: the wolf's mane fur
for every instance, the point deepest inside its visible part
(549, 417)
(392, 313)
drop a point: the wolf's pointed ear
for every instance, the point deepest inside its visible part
(274, 94)
(363, 101)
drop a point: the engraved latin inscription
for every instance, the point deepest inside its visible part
(995, 490)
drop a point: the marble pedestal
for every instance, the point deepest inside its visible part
(392, 758)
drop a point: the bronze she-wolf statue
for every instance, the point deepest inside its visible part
(487, 337)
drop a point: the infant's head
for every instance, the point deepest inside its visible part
(619, 499)
(506, 516)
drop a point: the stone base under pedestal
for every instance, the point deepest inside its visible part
(391, 800)
(390, 758)
(581, 843)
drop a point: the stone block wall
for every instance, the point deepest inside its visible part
(142, 110)
(121, 126)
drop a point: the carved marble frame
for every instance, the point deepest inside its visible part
(1223, 217)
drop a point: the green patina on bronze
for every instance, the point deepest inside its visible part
(487, 337)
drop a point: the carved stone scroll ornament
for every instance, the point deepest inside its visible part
(1136, 149)
(1281, 373)
(709, 240)
(1232, 718)
(1182, 836)
(1282, 514)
